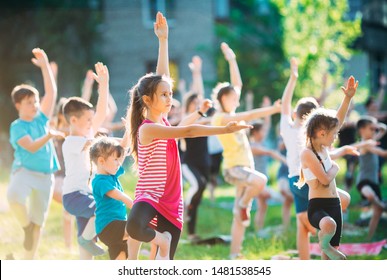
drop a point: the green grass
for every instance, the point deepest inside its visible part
(213, 220)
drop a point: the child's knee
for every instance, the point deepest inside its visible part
(328, 225)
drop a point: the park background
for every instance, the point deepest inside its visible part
(340, 38)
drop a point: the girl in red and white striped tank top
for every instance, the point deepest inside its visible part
(157, 212)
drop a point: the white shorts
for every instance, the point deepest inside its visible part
(31, 187)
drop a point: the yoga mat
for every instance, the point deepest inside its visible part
(353, 249)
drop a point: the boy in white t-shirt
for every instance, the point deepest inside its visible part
(78, 199)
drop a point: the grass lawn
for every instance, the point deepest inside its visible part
(214, 219)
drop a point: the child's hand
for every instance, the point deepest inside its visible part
(277, 105)
(40, 59)
(206, 104)
(235, 126)
(161, 26)
(196, 64)
(102, 76)
(227, 52)
(89, 79)
(56, 133)
(294, 67)
(351, 87)
(350, 150)
(54, 68)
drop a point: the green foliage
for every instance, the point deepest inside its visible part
(255, 35)
(318, 34)
(66, 29)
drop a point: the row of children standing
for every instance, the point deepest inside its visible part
(156, 214)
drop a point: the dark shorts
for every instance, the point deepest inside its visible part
(81, 205)
(319, 208)
(375, 187)
(113, 237)
(300, 195)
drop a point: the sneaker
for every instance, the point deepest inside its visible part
(90, 246)
(245, 216)
(28, 236)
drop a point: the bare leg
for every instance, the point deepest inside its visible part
(303, 229)
(259, 219)
(377, 207)
(163, 241)
(133, 248)
(328, 229)
(283, 184)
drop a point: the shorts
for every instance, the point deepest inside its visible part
(80, 204)
(113, 237)
(326, 207)
(301, 196)
(32, 187)
(375, 187)
(238, 175)
(283, 171)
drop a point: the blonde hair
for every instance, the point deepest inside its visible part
(318, 119)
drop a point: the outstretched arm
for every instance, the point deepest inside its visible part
(102, 78)
(253, 114)
(50, 90)
(161, 30)
(87, 88)
(235, 76)
(289, 89)
(148, 132)
(197, 79)
(349, 92)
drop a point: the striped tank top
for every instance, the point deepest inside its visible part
(160, 179)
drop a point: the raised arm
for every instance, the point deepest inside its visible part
(197, 79)
(324, 90)
(349, 92)
(50, 90)
(195, 116)
(102, 78)
(381, 92)
(266, 102)
(235, 76)
(289, 89)
(161, 30)
(87, 88)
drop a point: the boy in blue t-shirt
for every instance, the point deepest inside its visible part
(35, 160)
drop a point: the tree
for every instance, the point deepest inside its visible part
(319, 35)
(66, 29)
(254, 33)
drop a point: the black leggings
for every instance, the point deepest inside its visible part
(319, 208)
(197, 178)
(138, 225)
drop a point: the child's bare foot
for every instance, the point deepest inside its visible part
(329, 250)
(163, 251)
